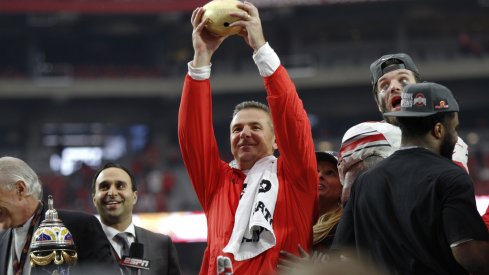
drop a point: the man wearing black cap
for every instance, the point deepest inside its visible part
(365, 144)
(390, 74)
(415, 211)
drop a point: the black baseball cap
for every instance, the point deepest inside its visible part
(389, 63)
(330, 156)
(425, 99)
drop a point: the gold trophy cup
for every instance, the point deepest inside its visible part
(52, 248)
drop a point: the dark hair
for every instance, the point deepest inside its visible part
(251, 105)
(418, 126)
(114, 165)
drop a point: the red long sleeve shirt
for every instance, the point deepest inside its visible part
(218, 186)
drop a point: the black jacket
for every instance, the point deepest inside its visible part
(93, 248)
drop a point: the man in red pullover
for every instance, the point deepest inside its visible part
(256, 205)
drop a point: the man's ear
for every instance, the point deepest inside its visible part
(93, 198)
(438, 130)
(20, 187)
(135, 194)
(274, 145)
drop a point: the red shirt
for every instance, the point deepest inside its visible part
(485, 217)
(218, 186)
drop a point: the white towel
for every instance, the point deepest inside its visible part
(253, 231)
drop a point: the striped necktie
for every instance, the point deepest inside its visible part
(123, 239)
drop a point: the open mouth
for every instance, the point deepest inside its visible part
(396, 103)
(322, 187)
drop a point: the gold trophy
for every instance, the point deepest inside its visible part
(52, 248)
(219, 19)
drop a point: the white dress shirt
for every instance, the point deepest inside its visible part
(18, 240)
(110, 232)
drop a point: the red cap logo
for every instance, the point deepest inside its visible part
(442, 105)
(419, 100)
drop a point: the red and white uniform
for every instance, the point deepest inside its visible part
(376, 138)
(461, 154)
(381, 139)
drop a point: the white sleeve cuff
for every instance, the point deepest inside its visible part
(267, 60)
(201, 73)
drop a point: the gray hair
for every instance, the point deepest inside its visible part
(13, 170)
(253, 105)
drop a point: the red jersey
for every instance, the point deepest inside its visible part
(218, 186)
(485, 218)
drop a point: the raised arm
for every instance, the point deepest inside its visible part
(292, 128)
(291, 124)
(205, 44)
(195, 130)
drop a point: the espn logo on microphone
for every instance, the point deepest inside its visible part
(136, 263)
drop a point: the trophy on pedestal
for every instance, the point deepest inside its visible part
(52, 248)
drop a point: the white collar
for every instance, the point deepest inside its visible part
(20, 233)
(110, 232)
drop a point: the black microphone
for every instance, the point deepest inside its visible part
(135, 260)
(136, 250)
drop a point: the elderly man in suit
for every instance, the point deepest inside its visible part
(21, 212)
(114, 193)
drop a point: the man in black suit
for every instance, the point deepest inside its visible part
(114, 193)
(21, 212)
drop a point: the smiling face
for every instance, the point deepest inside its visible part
(252, 137)
(114, 198)
(389, 89)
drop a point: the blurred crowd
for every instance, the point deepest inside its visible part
(164, 185)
